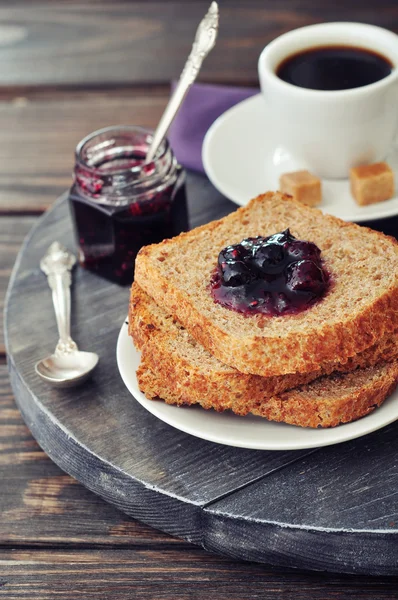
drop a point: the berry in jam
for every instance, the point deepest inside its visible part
(119, 204)
(272, 275)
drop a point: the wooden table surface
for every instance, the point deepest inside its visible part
(68, 68)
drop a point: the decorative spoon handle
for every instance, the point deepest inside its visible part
(205, 40)
(57, 264)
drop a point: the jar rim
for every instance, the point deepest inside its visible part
(117, 186)
(163, 149)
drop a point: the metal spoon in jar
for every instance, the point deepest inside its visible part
(68, 366)
(205, 40)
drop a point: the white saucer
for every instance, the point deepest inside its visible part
(244, 432)
(242, 162)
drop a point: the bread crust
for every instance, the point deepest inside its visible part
(275, 351)
(307, 406)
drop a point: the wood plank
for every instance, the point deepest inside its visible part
(41, 505)
(12, 232)
(162, 573)
(140, 42)
(345, 499)
(43, 135)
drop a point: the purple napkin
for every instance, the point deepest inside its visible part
(201, 107)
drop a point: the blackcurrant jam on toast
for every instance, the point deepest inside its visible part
(272, 275)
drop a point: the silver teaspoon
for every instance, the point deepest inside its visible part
(68, 366)
(205, 40)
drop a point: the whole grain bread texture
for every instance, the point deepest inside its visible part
(183, 372)
(360, 308)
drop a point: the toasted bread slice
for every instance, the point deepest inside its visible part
(192, 372)
(360, 308)
(326, 402)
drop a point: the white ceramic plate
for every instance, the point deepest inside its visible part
(242, 162)
(244, 432)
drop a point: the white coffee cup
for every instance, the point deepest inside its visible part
(328, 132)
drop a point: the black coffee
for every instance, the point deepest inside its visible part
(334, 68)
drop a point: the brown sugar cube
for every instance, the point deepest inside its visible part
(372, 183)
(303, 186)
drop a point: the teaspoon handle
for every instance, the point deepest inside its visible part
(204, 42)
(168, 116)
(61, 301)
(57, 265)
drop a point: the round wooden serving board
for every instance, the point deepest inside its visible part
(332, 509)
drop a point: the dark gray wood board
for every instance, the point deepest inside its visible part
(333, 509)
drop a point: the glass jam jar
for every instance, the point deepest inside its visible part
(119, 204)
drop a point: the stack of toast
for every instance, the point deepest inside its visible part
(329, 364)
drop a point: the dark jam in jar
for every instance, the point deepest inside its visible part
(119, 204)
